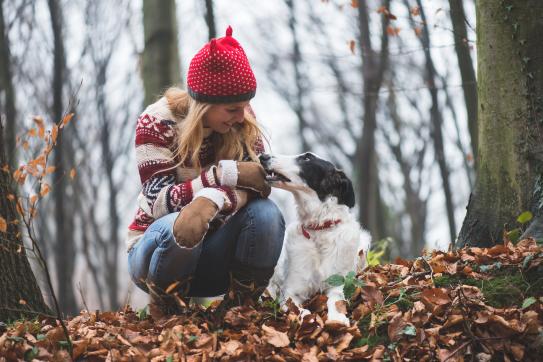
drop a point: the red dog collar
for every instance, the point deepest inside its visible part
(325, 225)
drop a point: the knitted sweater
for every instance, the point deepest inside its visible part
(165, 187)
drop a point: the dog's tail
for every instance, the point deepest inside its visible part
(363, 248)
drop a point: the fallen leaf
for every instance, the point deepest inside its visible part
(275, 337)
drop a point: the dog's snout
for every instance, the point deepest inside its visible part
(264, 158)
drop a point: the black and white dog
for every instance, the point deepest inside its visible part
(326, 240)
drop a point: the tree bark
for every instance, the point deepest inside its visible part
(298, 106)
(20, 294)
(467, 72)
(6, 86)
(436, 123)
(210, 19)
(161, 65)
(510, 88)
(64, 250)
(373, 68)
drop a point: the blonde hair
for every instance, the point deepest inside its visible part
(189, 115)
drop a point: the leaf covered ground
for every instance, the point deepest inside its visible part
(471, 304)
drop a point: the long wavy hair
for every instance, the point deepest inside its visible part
(189, 115)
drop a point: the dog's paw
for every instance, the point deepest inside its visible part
(303, 313)
(338, 317)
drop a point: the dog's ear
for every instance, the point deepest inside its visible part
(338, 184)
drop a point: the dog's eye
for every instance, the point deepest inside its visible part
(306, 157)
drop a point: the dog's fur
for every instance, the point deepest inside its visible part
(321, 193)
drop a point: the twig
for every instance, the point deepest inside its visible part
(457, 349)
(431, 270)
(38, 253)
(82, 296)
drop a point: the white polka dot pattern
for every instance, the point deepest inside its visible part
(220, 71)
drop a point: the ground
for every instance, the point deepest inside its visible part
(475, 303)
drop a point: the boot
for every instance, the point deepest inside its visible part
(163, 305)
(246, 286)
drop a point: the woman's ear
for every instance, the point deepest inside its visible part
(339, 185)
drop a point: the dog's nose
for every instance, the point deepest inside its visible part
(264, 157)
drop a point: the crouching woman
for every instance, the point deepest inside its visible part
(205, 225)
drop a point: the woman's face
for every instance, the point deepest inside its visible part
(222, 117)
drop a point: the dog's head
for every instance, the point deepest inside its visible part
(308, 173)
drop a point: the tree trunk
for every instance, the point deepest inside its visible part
(510, 88)
(373, 68)
(296, 63)
(467, 72)
(6, 86)
(20, 294)
(161, 68)
(436, 124)
(210, 19)
(64, 250)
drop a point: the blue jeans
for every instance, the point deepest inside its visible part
(253, 237)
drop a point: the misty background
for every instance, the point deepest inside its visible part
(381, 88)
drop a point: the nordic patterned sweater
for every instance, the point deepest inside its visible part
(166, 188)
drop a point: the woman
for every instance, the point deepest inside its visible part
(204, 226)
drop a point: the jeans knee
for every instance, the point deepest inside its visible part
(268, 230)
(266, 215)
(163, 228)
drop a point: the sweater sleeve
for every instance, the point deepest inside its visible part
(157, 168)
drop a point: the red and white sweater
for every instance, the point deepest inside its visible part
(165, 188)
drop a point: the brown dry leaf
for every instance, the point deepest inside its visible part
(3, 225)
(344, 342)
(396, 326)
(171, 287)
(66, 119)
(45, 189)
(415, 11)
(517, 350)
(80, 347)
(435, 296)
(240, 316)
(393, 30)
(41, 126)
(73, 173)
(54, 133)
(372, 295)
(275, 337)
(230, 347)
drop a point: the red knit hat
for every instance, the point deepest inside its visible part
(220, 72)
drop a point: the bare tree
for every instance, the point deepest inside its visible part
(374, 64)
(510, 169)
(436, 119)
(161, 66)
(64, 250)
(20, 295)
(210, 19)
(6, 87)
(467, 71)
(412, 168)
(297, 100)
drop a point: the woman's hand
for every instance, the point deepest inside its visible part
(244, 174)
(192, 223)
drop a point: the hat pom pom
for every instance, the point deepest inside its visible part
(229, 31)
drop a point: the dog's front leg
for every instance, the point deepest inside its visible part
(335, 294)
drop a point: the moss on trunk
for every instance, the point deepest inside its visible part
(510, 90)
